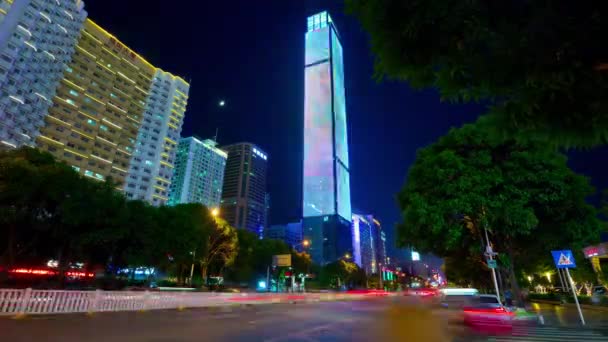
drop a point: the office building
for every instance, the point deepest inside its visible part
(199, 173)
(379, 237)
(115, 114)
(326, 182)
(37, 41)
(364, 247)
(152, 165)
(290, 233)
(244, 195)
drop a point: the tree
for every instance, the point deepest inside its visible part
(219, 247)
(340, 273)
(537, 64)
(522, 193)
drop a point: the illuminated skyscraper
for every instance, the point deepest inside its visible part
(199, 173)
(326, 192)
(37, 40)
(152, 165)
(116, 115)
(244, 197)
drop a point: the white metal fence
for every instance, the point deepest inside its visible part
(28, 301)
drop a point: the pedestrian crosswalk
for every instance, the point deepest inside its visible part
(548, 333)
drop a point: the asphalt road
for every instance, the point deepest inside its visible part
(561, 315)
(373, 320)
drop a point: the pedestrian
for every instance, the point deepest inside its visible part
(508, 298)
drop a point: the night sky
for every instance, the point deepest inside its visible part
(251, 54)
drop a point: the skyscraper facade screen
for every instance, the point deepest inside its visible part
(326, 181)
(326, 174)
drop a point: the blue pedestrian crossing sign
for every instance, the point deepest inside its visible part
(563, 259)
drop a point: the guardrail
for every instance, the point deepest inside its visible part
(20, 302)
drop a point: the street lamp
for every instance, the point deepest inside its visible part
(215, 212)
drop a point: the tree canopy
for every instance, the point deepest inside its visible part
(523, 193)
(48, 211)
(537, 64)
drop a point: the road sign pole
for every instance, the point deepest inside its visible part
(489, 249)
(561, 279)
(578, 306)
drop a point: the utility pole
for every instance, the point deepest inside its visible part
(490, 255)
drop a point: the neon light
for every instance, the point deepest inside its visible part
(68, 14)
(16, 99)
(111, 123)
(63, 28)
(115, 106)
(106, 141)
(45, 16)
(8, 144)
(119, 169)
(87, 52)
(79, 132)
(51, 140)
(79, 274)
(41, 96)
(462, 292)
(125, 77)
(33, 271)
(25, 30)
(76, 153)
(103, 160)
(50, 55)
(94, 99)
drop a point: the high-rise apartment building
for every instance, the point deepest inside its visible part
(244, 197)
(326, 185)
(152, 165)
(114, 114)
(199, 173)
(37, 40)
(99, 107)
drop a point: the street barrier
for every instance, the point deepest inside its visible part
(19, 302)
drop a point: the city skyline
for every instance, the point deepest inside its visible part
(416, 118)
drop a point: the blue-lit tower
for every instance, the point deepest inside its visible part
(326, 185)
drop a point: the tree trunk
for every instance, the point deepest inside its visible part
(204, 273)
(514, 283)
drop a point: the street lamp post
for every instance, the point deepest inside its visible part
(305, 244)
